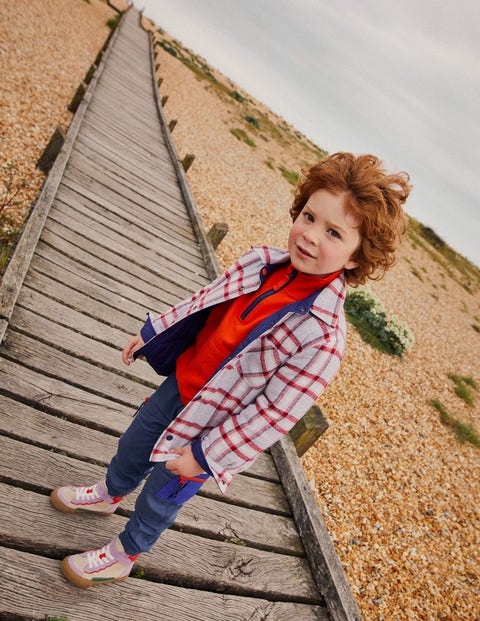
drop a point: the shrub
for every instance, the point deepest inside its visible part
(366, 312)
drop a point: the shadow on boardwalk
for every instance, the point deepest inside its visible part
(111, 236)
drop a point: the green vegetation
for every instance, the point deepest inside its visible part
(455, 265)
(113, 22)
(62, 618)
(270, 164)
(241, 134)
(464, 433)
(367, 314)
(290, 176)
(464, 387)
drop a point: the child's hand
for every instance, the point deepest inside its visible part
(186, 464)
(133, 344)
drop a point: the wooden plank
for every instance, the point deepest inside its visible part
(18, 265)
(214, 565)
(326, 566)
(100, 128)
(53, 395)
(78, 442)
(154, 256)
(42, 470)
(78, 345)
(115, 294)
(155, 243)
(156, 206)
(47, 359)
(54, 236)
(37, 302)
(155, 219)
(39, 591)
(109, 144)
(110, 252)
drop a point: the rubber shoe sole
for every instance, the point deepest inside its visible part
(83, 583)
(60, 506)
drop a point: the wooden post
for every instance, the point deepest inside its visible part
(157, 67)
(308, 429)
(159, 82)
(187, 161)
(172, 124)
(77, 98)
(89, 75)
(98, 59)
(217, 233)
(52, 149)
(164, 100)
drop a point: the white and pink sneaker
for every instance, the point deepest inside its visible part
(108, 564)
(95, 498)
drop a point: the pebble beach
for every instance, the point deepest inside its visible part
(398, 491)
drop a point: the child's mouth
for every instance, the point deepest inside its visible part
(304, 253)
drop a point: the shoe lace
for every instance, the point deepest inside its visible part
(99, 558)
(86, 493)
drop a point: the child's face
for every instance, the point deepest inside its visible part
(324, 236)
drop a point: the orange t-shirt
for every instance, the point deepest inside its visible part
(229, 323)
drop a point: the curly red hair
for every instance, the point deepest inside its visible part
(374, 196)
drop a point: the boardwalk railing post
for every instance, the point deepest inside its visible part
(172, 124)
(77, 98)
(217, 233)
(308, 429)
(187, 161)
(52, 149)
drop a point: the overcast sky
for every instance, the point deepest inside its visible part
(397, 79)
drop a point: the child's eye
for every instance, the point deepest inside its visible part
(334, 233)
(308, 216)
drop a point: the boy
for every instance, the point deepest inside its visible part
(245, 357)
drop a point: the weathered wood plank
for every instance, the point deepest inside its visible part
(53, 395)
(326, 566)
(47, 359)
(214, 565)
(111, 270)
(49, 594)
(76, 440)
(110, 252)
(42, 470)
(154, 257)
(134, 215)
(18, 265)
(128, 224)
(78, 345)
(82, 279)
(83, 443)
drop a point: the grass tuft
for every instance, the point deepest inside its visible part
(464, 433)
(463, 387)
(241, 134)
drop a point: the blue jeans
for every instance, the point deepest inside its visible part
(163, 494)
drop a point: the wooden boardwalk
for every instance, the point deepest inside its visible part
(114, 234)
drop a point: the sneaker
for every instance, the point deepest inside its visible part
(108, 564)
(95, 498)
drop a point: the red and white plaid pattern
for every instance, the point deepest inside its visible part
(261, 393)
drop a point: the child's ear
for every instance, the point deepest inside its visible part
(350, 265)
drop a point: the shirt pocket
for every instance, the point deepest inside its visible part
(180, 489)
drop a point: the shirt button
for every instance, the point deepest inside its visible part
(169, 437)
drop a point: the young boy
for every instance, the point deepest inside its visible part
(245, 357)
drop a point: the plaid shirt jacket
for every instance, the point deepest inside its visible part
(267, 384)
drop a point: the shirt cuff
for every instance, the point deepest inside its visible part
(199, 456)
